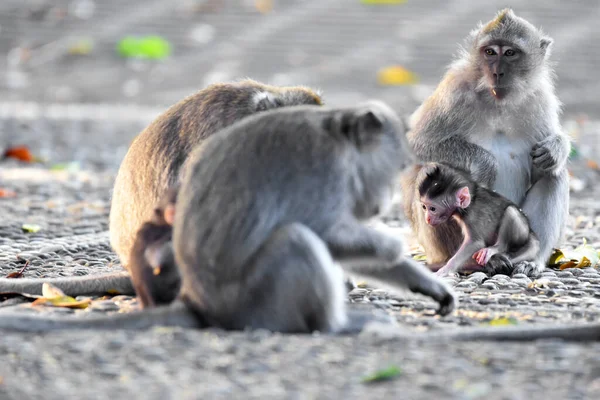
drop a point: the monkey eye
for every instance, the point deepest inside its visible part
(424, 206)
(432, 209)
(510, 53)
(490, 52)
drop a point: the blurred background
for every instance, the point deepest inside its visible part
(67, 50)
(129, 59)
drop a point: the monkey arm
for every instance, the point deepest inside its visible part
(349, 239)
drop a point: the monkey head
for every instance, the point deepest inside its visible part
(381, 151)
(442, 193)
(509, 52)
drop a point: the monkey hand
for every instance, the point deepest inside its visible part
(550, 154)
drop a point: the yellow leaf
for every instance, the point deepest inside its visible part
(503, 321)
(396, 75)
(50, 291)
(30, 228)
(62, 301)
(420, 257)
(555, 257)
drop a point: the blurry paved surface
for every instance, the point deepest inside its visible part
(316, 43)
(337, 45)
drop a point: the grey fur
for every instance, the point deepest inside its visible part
(490, 223)
(264, 209)
(155, 157)
(514, 145)
(253, 241)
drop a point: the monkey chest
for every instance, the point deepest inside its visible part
(512, 154)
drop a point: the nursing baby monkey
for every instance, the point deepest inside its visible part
(495, 114)
(496, 234)
(259, 242)
(152, 164)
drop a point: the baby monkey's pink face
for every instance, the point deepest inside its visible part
(439, 209)
(435, 212)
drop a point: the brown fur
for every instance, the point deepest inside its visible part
(156, 155)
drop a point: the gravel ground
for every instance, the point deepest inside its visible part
(71, 207)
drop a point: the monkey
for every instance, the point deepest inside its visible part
(154, 273)
(495, 114)
(260, 243)
(152, 164)
(496, 234)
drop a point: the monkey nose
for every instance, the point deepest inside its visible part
(498, 76)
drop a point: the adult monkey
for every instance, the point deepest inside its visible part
(496, 115)
(152, 165)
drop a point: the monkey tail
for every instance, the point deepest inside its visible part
(173, 315)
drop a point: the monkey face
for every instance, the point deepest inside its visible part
(501, 63)
(435, 212)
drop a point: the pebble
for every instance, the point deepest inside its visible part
(103, 305)
(477, 277)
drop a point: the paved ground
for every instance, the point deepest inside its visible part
(72, 208)
(338, 46)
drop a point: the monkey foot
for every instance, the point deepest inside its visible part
(529, 268)
(483, 256)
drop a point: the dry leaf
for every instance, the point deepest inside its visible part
(503, 321)
(63, 301)
(30, 228)
(592, 164)
(20, 153)
(50, 291)
(396, 75)
(7, 193)
(17, 274)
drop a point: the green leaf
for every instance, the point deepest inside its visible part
(383, 375)
(30, 228)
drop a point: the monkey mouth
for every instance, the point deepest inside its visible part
(498, 92)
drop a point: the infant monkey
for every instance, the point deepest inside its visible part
(496, 233)
(154, 273)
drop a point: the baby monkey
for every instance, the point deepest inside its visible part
(154, 273)
(496, 233)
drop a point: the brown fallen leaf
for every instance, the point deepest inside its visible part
(18, 274)
(20, 153)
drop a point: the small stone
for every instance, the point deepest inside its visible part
(478, 277)
(103, 305)
(489, 285)
(500, 277)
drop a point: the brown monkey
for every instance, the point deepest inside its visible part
(496, 234)
(259, 242)
(154, 273)
(152, 165)
(496, 115)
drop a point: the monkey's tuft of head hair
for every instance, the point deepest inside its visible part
(438, 179)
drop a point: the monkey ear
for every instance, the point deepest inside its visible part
(546, 44)
(463, 197)
(359, 127)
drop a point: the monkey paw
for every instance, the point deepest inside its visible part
(447, 303)
(483, 256)
(529, 268)
(545, 155)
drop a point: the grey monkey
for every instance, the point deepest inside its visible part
(152, 165)
(496, 115)
(496, 234)
(259, 242)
